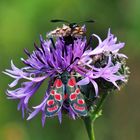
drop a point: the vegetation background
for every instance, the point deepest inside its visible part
(21, 23)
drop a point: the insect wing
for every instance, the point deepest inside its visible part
(60, 32)
(75, 97)
(55, 99)
(78, 31)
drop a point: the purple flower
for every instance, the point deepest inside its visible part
(54, 58)
(109, 73)
(48, 61)
(107, 45)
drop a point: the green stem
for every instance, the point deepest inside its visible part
(89, 121)
(99, 106)
(89, 127)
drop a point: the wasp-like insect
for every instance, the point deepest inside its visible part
(69, 32)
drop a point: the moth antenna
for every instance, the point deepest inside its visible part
(87, 21)
(90, 21)
(59, 20)
(71, 63)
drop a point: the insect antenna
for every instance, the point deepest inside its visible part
(59, 20)
(71, 63)
(87, 21)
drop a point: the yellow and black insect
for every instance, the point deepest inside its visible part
(69, 32)
(72, 29)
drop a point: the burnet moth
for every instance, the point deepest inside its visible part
(65, 91)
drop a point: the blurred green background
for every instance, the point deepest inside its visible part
(21, 23)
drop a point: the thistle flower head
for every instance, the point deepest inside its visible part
(96, 68)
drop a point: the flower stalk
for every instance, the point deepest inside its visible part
(89, 124)
(89, 121)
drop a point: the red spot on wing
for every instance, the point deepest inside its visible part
(58, 97)
(81, 101)
(65, 96)
(52, 92)
(77, 91)
(50, 102)
(78, 108)
(72, 82)
(73, 96)
(58, 83)
(52, 109)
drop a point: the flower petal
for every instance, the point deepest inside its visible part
(84, 81)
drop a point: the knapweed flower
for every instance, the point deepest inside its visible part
(96, 68)
(104, 62)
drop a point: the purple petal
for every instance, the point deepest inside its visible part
(84, 81)
(43, 119)
(60, 116)
(95, 86)
(33, 114)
